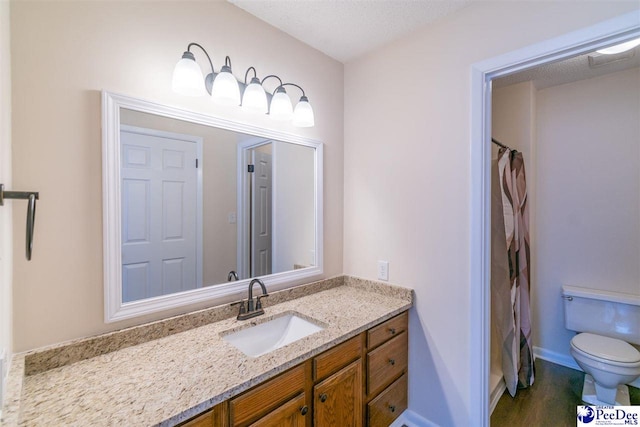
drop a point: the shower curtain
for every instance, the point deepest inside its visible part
(510, 269)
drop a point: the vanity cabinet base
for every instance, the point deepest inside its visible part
(362, 381)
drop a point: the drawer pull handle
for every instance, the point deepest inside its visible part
(392, 331)
(392, 408)
(323, 397)
(392, 361)
(304, 410)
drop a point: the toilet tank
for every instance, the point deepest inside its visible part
(600, 312)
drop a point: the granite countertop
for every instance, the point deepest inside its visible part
(167, 380)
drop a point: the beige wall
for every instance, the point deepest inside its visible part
(63, 54)
(588, 195)
(6, 226)
(407, 185)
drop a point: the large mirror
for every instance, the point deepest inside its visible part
(196, 206)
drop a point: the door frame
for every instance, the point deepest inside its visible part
(244, 218)
(609, 32)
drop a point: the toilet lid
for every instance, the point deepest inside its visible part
(606, 348)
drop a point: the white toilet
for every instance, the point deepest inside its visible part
(607, 322)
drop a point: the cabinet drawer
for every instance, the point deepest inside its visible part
(386, 363)
(291, 414)
(336, 358)
(387, 330)
(385, 408)
(261, 400)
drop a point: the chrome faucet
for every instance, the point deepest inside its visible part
(232, 276)
(250, 311)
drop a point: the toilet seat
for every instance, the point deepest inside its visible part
(613, 350)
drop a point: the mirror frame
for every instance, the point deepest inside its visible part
(114, 308)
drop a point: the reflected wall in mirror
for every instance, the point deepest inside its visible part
(195, 206)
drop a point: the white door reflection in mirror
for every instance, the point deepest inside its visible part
(153, 211)
(161, 213)
(260, 211)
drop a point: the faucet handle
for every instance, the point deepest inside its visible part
(258, 302)
(242, 307)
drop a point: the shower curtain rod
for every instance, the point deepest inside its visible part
(495, 141)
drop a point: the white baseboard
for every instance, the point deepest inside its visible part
(565, 360)
(496, 394)
(554, 357)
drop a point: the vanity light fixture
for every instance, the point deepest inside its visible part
(225, 89)
(187, 76)
(619, 48)
(254, 98)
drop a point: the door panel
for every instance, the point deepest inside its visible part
(261, 214)
(159, 214)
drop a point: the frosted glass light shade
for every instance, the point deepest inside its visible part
(187, 77)
(281, 108)
(225, 89)
(303, 114)
(619, 48)
(254, 99)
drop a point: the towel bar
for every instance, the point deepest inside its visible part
(31, 196)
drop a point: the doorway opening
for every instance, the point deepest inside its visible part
(604, 34)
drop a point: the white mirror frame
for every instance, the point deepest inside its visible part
(114, 309)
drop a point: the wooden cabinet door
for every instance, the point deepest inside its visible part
(291, 414)
(338, 399)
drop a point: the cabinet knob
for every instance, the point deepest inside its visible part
(392, 361)
(304, 410)
(392, 331)
(392, 408)
(323, 397)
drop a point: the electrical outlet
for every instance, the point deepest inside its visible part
(383, 270)
(232, 218)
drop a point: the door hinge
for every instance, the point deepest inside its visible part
(196, 163)
(250, 169)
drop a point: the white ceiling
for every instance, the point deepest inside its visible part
(346, 29)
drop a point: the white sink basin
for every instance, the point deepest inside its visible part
(273, 334)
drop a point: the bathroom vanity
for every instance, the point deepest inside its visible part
(181, 371)
(362, 381)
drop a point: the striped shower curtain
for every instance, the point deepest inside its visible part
(510, 289)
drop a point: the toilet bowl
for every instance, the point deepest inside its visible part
(606, 322)
(611, 363)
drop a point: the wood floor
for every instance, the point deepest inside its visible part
(551, 401)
